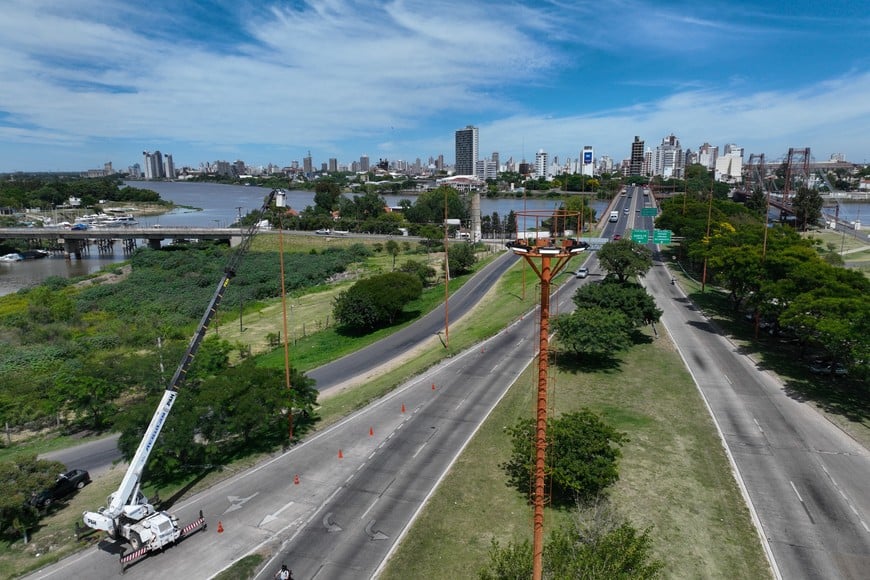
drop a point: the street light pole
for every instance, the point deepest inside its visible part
(553, 260)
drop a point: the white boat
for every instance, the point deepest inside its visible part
(11, 258)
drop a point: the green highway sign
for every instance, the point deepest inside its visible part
(648, 212)
(662, 237)
(640, 236)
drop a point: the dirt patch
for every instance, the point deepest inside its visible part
(107, 278)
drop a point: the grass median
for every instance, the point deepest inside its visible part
(675, 476)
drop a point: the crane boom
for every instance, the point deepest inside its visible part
(128, 501)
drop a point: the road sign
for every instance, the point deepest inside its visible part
(648, 212)
(662, 237)
(640, 236)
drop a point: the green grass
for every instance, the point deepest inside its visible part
(674, 477)
(244, 569)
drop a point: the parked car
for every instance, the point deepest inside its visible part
(582, 272)
(323, 232)
(78, 227)
(823, 367)
(66, 484)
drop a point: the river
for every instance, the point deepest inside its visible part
(215, 206)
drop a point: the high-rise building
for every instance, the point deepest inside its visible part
(333, 165)
(169, 166)
(636, 163)
(587, 165)
(496, 160)
(707, 155)
(668, 159)
(466, 150)
(153, 165)
(308, 165)
(541, 164)
(364, 163)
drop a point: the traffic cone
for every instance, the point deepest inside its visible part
(296, 480)
(220, 527)
(340, 454)
(433, 386)
(403, 407)
(371, 431)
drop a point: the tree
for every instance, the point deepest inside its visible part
(582, 457)
(377, 301)
(392, 247)
(460, 258)
(631, 300)
(326, 196)
(594, 331)
(421, 269)
(594, 544)
(429, 206)
(19, 477)
(625, 258)
(807, 205)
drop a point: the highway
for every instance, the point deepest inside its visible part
(361, 481)
(806, 481)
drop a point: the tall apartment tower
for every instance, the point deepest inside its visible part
(668, 161)
(636, 163)
(169, 166)
(333, 165)
(364, 163)
(541, 164)
(153, 165)
(707, 155)
(308, 165)
(587, 166)
(466, 150)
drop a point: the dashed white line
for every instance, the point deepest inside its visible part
(368, 509)
(419, 449)
(727, 379)
(757, 424)
(796, 492)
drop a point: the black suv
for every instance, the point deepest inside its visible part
(66, 484)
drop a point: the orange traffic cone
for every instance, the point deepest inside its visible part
(296, 480)
(371, 431)
(220, 528)
(433, 386)
(340, 454)
(403, 407)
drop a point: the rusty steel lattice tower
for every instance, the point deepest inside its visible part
(553, 258)
(797, 171)
(756, 173)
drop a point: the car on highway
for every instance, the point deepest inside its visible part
(625, 210)
(79, 227)
(616, 237)
(65, 485)
(323, 232)
(582, 272)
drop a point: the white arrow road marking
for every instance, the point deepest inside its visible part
(238, 502)
(375, 535)
(330, 525)
(273, 516)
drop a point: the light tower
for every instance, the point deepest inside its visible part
(553, 257)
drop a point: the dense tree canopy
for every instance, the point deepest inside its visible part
(625, 259)
(582, 456)
(376, 302)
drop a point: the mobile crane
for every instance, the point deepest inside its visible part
(128, 514)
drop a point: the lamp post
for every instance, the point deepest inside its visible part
(553, 260)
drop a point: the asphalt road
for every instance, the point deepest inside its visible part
(806, 481)
(360, 482)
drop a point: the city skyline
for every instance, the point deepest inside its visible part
(93, 81)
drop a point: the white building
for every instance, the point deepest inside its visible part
(542, 164)
(587, 161)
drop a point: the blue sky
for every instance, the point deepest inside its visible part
(90, 81)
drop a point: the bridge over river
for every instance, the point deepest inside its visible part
(74, 242)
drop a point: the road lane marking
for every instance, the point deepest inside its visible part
(273, 516)
(796, 492)
(368, 509)
(757, 424)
